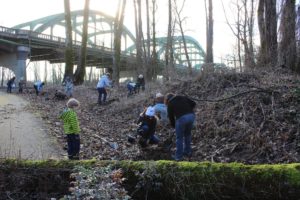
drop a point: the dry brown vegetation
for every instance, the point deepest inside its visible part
(251, 117)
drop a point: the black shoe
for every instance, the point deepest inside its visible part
(176, 159)
(188, 155)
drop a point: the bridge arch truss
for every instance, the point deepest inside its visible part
(101, 31)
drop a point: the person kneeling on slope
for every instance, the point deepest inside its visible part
(147, 127)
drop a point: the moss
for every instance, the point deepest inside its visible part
(190, 180)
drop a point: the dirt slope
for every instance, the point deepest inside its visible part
(251, 117)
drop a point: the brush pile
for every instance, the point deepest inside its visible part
(251, 117)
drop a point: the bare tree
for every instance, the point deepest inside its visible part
(36, 71)
(80, 71)
(154, 53)
(287, 46)
(2, 76)
(169, 44)
(243, 31)
(209, 32)
(139, 35)
(45, 72)
(267, 24)
(118, 29)
(69, 65)
(180, 23)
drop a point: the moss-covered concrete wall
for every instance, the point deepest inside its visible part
(188, 180)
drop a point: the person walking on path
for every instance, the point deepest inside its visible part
(10, 84)
(38, 87)
(182, 117)
(102, 85)
(71, 128)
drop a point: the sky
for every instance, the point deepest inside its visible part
(14, 12)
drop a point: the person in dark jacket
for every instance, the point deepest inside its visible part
(147, 127)
(22, 84)
(181, 115)
(140, 83)
(10, 84)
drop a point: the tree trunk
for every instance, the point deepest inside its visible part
(267, 24)
(149, 66)
(209, 34)
(287, 46)
(118, 29)
(250, 28)
(138, 29)
(262, 33)
(80, 71)
(271, 32)
(169, 42)
(154, 53)
(69, 64)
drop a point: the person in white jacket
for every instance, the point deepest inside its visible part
(102, 84)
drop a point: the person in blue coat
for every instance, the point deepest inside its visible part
(131, 87)
(102, 85)
(38, 87)
(161, 109)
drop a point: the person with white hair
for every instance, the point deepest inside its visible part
(161, 108)
(102, 85)
(140, 83)
(147, 125)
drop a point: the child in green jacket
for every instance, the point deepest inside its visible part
(71, 128)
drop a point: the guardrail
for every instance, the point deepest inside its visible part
(32, 35)
(26, 34)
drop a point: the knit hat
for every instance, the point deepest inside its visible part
(72, 103)
(150, 112)
(141, 76)
(158, 95)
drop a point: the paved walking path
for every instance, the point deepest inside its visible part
(22, 133)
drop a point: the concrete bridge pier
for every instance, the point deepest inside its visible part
(22, 55)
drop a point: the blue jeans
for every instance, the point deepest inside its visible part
(183, 128)
(131, 89)
(73, 146)
(102, 92)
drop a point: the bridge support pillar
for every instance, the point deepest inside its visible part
(22, 55)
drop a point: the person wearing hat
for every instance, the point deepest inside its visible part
(102, 85)
(71, 128)
(147, 127)
(140, 83)
(181, 115)
(160, 108)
